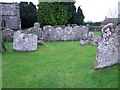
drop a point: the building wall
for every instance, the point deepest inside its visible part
(10, 15)
(119, 9)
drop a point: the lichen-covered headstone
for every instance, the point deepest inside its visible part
(91, 35)
(84, 42)
(24, 42)
(96, 40)
(77, 30)
(118, 29)
(7, 34)
(107, 53)
(36, 30)
(48, 33)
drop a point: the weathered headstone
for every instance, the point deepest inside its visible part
(24, 42)
(84, 42)
(96, 40)
(65, 34)
(78, 32)
(107, 53)
(7, 34)
(36, 30)
(48, 33)
(118, 28)
(58, 32)
(91, 35)
(68, 33)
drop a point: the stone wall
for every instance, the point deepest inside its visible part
(10, 15)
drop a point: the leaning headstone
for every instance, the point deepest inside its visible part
(24, 42)
(107, 53)
(7, 34)
(118, 28)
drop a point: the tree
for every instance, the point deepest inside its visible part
(27, 14)
(71, 12)
(79, 16)
(52, 13)
(59, 13)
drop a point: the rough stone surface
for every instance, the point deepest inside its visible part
(84, 42)
(7, 34)
(64, 34)
(91, 35)
(24, 42)
(107, 53)
(10, 15)
(36, 30)
(96, 40)
(118, 28)
(48, 33)
(90, 39)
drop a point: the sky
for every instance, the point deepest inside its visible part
(93, 10)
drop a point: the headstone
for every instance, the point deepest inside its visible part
(48, 33)
(24, 42)
(7, 34)
(59, 32)
(96, 40)
(91, 35)
(118, 28)
(36, 30)
(107, 53)
(37, 25)
(82, 42)
(78, 32)
(64, 34)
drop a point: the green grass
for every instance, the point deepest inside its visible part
(56, 65)
(97, 33)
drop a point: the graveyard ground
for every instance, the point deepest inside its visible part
(56, 64)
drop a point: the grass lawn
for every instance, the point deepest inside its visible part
(97, 33)
(56, 65)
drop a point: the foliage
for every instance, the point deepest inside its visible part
(54, 13)
(79, 16)
(27, 14)
(71, 12)
(56, 65)
(59, 13)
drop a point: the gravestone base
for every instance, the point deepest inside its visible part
(40, 42)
